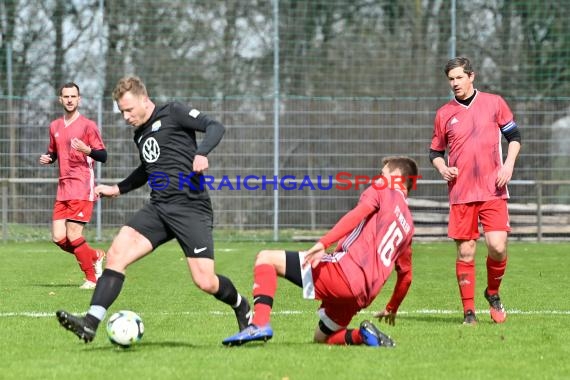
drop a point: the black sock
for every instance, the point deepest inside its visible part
(348, 337)
(227, 292)
(108, 288)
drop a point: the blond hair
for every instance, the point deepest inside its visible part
(132, 84)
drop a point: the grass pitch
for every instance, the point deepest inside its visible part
(184, 327)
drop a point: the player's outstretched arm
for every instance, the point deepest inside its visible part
(403, 267)
(135, 180)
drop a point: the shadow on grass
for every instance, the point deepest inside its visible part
(275, 344)
(57, 285)
(169, 344)
(250, 345)
(143, 347)
(449, 319)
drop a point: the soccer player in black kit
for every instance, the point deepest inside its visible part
(171, 161)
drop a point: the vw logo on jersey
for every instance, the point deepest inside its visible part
(150, 150)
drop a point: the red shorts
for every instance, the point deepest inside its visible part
(76, 210)
(464, 218)
(328, 284)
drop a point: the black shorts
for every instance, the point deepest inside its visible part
(293, 268)
(190, 222)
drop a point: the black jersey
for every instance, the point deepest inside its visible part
(167, 146)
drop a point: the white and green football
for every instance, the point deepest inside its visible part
(125, 328)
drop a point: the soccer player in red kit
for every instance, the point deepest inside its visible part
(470, 127)
(75, 142)
(373, 238)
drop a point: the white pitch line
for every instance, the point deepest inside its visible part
(512, 311)
(42, 314)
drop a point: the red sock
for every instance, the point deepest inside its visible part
(264, 287)
(340, 337)
(64, 244)
(465, 272)
(84, 255)
(495, 273)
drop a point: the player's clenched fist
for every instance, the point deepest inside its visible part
(107, 191)
(45, 159)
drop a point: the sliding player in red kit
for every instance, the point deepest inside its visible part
(470, 126)
(373, 238)
(75, 142)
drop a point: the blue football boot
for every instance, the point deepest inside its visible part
(371, 336)
(251, 333)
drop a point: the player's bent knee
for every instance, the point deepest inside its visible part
(119, 259)
(262, 257)
(206, 284)
(268, 257)
(498, 251)
(320, 336)
(466, 250)
(57, 237)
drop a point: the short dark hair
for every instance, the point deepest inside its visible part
(459, 62)
(408, 167)
(69, 85)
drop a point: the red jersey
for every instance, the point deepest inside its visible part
(367, 255)
(76, 175)
(473, 136)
